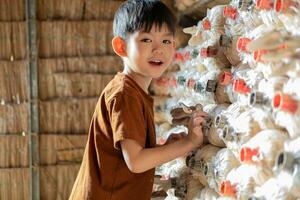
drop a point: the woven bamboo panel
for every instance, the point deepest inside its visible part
(60, 9)
(13, 151)
(13, 81)
(75, 38)
(76, 9)
(14, 118)
(12, 40)
(66, 116)
(14, 184)
(100, 64)
(12, 10)
(101, 9)
(58, 149)
(72, 85)
(57, 181)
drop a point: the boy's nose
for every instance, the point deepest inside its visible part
(157, 50)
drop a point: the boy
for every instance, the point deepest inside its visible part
(121, 152)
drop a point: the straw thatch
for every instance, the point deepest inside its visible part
(14, 118)
(60, 9)
(76, 9)
(13, 151)
(97, 65)
(57, 181)
(74, 77)
(66, 116)
(12, 10)
(14, 184)
(75, 38)
(14, 81)
(72, 85)
(58, 149)
(95, 9)
(12, 40)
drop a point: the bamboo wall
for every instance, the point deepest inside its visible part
(14, 98)
(75, 62)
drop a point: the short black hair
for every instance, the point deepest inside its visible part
(134, 15)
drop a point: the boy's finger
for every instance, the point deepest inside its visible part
(200, 114)
(183, 121)
(181, 115)
(198, 121)
(176, 111)
(182, 134)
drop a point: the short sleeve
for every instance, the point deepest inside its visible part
(127, 119)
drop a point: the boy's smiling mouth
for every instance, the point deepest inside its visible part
(156, 62)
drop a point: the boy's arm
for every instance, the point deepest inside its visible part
(140, 160)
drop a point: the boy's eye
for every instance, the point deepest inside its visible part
(146, 40)
(167, 41)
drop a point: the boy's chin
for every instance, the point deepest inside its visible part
(156, 75)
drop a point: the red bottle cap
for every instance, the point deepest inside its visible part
(191, 83)
(227, 189)
(282, 5)
(264, 4)
(173, 81)
(285, 103)
(162, 81)
(258, 54)
(206, 24)
(225, 78)
(240, 86)
(242, 44)
(178, 56)
(186, 56)
(247, 154)
(208, 52)
(230, 12)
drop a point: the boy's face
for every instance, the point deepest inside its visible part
(149, 54)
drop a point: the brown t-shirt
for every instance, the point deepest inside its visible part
(124, 111)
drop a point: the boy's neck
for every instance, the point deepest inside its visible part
(142, 81)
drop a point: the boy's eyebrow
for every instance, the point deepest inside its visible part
(166, 34)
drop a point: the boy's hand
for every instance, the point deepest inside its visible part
(182, 115)
(175, 137)
(195, 134)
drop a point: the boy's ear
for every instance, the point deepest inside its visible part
(119, 46)
(174, 44)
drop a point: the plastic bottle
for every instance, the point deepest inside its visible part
(262, 97)
(267, 12)
(223, 163)
(288, 167)
(262, 149)
(288, 13)
(216, 19)
(212, 134)
(271, 189)
(208, 194)
(239, 183)
(200, 163)
(226, 131)
(194, 189)
(196, 36)
(286, 108)
(225, 80)
(228, 44)
(216, 53)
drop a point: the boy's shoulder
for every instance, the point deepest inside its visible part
(120, 85)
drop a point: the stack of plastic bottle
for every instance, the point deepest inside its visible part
(242, 66)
